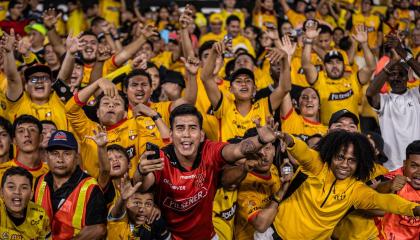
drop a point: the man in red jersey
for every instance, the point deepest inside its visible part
(186, 175)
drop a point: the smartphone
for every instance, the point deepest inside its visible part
(228, 40)
(155, 149)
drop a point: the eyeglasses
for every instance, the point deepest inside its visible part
(41, 79)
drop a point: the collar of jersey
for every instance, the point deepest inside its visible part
(116, 125)
(170, 154)
(26, 167)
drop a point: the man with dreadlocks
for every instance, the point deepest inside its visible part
(331, 181)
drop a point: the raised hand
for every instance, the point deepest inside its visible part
(312, 31)
(140, 62)
(394, 42)
(126, 188)
(8, 41)
(268, 133)
(361, 34)
(50, 18)
(191, 64)
(287, 46)
(148, 166)
(398, 183)
(100, 137)
(73, 44)
(24, 46)
(142, 109)
(186, 18)
(155, 214)
(147, 31)
(219, 48)
(275, 55)
(107, 87)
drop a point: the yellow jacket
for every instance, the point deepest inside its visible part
(318, 204)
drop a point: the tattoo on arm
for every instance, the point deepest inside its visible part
(247, 147)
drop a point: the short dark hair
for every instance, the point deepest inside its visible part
(16, 171)
(134, 73)
(412, 149)
(118, 148)
(330, 146)
(232, 18)
(122, 95)
(48, 122)
(151, 65)
(97, 20)
(89, 32)
(325, 29)
(6, 125)
(185, 109)
(205, 46)
(26, 119)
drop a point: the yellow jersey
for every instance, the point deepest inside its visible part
(36, 172)
(337, 94)
(52, 110)
(253, 195)
(320, 201)
(297, 74)
(108, 67)
(243, 42)
(301, 127)
(35, 226)
(76, 22)
(110, 10)
(296, 19)
(3, 9)
(357, 225)
(124, 133)
(224, 211)
(123, 230)
(373, 23)
(163, 59)
(3, 105)
(225, 14)
(233, 124)
(260, 19)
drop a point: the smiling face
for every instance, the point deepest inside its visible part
(309, 103)
(138, 90)
(265, 41)
(111, 110)
(119, 163)
(243, 88)
(139, 207)
(27, 137)
(233, 28)
(412, 170)
(187, 136)
(334, 68)
(5, 141)
(76, 75)
(90, 48)
(344, 164)
(16, 193)
(39, 86)
(62, 162)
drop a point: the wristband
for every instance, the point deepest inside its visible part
(156, 117)
(275, 199)
(308, 41)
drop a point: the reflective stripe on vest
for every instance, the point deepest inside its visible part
(41, 191)
(78, 214)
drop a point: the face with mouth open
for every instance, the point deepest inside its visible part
(16, 193)
(27, 137)
(90, 48)
(139, 207)
(334, 68)
(111, 110)
(344, 164)
(39, 86)
(119, 163)
(243, 88)
(412, 170)
(187, 136)
(138, 90)
(309, 103)
(76, 76)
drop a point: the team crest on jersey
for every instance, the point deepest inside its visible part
(48, 115)
(131, 151)
(340, 95)
(132, 135)
(199, 181)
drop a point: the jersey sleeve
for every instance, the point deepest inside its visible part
(367, 198)
(249, 204)
(214, 154)
(223, 106)
(81, 124)
(308, 158)
(109, 66)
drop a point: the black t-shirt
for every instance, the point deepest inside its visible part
(156, 231)
(96, 211)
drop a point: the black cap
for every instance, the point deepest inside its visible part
(173, 77)
(333, 54)
(36, 68)
(241, 71)
(343, 113)
(62, 140)
(309, 8)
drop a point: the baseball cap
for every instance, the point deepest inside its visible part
(62, 139)
(37, 27)
(36, 68)
(216, 17)
(343, 113)
(241, 71)
(333, 54)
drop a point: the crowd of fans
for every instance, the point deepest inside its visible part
(257, 120)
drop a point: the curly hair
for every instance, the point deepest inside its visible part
(331, 145)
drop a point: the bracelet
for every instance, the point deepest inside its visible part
(275, 199)
(156, 117)
(308, 41)
(261, 141)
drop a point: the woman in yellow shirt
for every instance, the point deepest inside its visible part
(264, 14)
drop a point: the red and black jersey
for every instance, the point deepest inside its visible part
(186, 197)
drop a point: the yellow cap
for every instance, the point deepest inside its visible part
(216, 17)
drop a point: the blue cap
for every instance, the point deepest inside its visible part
(62, 139)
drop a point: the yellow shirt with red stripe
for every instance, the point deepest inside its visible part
(35, 226)
(109, 67)
(337, 94)
(36, 172)
(253, 196)
(357, 225)
(53, 110)
(110, 10)
(301, 127)
(260, 19)
(373, 23)
(124, 133)
(296, 19)
(225, 207)
(233, 124)
(76, 22)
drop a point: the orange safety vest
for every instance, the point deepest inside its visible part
(69, 219)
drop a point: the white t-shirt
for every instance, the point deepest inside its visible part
(399, 119)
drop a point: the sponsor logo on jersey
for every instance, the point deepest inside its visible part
(340, 95)
(185, 203)
(228, 214)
